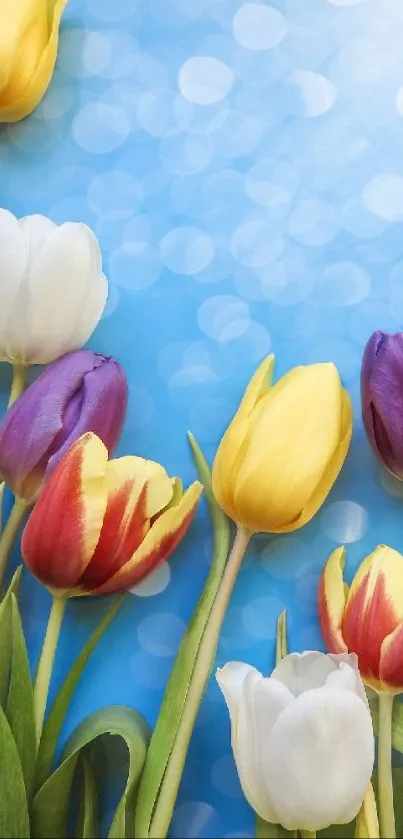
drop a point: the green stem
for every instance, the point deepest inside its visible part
(9, 534)
(201, 671)
(18, 382)
(45, 666)
(385, 780)
(308, 834)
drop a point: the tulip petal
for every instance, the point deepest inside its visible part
(23, 30)
(43, 405)
(381, 377)
(13, 263)
(334, 466)
(254, 704)
(305, 671)
(298, 429)
(232, 447)
(258, 386)
(307, 759)
(138, 489)
(25, 89)
(374, 608)
(163, 537)
(391, 662)
(64, 527)
(62, 272)
(332, 601)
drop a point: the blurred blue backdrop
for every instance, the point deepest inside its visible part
(242, 166)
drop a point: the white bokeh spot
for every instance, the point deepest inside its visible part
(259, 27)
(344, 521)
(205, 80)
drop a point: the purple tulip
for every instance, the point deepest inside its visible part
(82, 391)
(382, 398)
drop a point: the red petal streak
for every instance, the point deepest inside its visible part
(368, 619)
(120, 537)
(135, 571)
(53, 543)
(391, 666)
(332, 634)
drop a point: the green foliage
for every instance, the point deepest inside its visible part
(171, 734)
(51, 803)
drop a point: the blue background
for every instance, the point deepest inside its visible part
(242, 166)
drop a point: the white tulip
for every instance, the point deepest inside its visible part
(52, 289)
(302, 739)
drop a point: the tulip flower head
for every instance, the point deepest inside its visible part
(366, 618)
(284, 449)
(52, 291)
(82, 391)
(101, 526)
(29, 34)
(293, 737)
(382, 398)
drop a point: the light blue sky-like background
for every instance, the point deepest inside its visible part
(242, 166)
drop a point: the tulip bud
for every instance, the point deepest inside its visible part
(282, 453)
(101, 526)
(302, 739)
(382, 398)
(29, 34)
(53, 291)
(366, 619)
(82, 391)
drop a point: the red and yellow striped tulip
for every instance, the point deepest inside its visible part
(100, 526)
(367, 618)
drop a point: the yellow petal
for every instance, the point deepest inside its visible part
(29, 53)
(332, 601)
(165, 534)
(333, 468)
(141, 474)
(367, 824)
(296, 433)
(233, 445)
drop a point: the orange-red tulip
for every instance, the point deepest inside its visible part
(366, 618)
(101, 526)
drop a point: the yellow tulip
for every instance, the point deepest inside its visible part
(284, 449)
(29, 33)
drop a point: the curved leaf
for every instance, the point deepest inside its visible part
(88, 817)
(6, 634)
(20, 701)
(52, 801)
(168, 731)
(14, 818)
(56, 716)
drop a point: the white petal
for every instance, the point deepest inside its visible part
(35, 230)
(304, 671)
(93, 306)
(319, 759)
(61, 272)
(347, 663)
(254, 704)
(231, 680)
(13, 264)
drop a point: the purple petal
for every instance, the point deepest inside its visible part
(382, 397)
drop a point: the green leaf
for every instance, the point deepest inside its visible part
(14, 818)
(338, 831)
(20, 701)
(55, 719)
(6, 635)
(88, 817)
(168, 727)
(51, 803)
